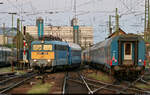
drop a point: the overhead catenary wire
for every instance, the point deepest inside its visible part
(96, 14)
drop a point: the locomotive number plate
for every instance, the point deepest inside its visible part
(43, 53)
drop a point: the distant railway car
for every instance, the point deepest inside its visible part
(6, 56)
(53, 54)
(85, 56)
(120, 55)
(74, 55)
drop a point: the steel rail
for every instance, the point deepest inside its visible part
(6, 74)
(131, 84)
(120, 91)
(105, 86)
(96, 86)
(94, 91)
(17, 84)
(65, 83)
(86, 84)
(17, 76)
(4, 81)
(145, 82)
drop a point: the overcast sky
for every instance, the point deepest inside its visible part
(90, 13)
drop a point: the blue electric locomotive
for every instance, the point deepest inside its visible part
(54, 54)
(124, 54)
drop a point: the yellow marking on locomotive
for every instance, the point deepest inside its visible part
(42, 55)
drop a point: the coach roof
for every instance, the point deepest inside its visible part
(74, 46)
(50, 42)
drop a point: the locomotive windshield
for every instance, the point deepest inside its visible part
(47, 47)
(42, 47)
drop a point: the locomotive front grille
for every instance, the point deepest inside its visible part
(41, 63)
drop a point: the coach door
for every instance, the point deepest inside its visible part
(127, 53)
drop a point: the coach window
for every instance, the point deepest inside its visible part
(47, 47)
(37, 47)
(60, 47)
(128, 49)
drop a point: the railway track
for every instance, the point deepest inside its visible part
(6, 75)
(65, 83)
(119, 89)
(13, 82)
(86, 86)
(70, 87)
(147, 74)
(90, 86)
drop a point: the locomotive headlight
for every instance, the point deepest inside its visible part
(140, 60)
(34, 60)
(48, 60)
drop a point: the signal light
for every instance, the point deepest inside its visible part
(110, 62)
(144, 63)
(113, 58)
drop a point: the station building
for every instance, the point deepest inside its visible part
(7, 35)
(65, 32)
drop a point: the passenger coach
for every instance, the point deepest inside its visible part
(124, 54)
(74, 55)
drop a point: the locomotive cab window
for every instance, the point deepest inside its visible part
(127, 48)
(47, 47)
(37, 47)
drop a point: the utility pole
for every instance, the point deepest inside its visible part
(75, 25)
(75, 9)
(110, 29)
(117, 21)
(18, 39)
(21, 36)
(3, 30)
(12, 38)
(12, 26)
(147, 26)
(147, 21)
(4, 42)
